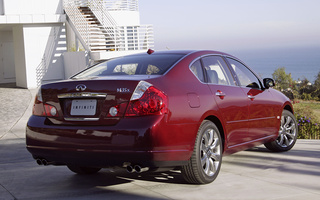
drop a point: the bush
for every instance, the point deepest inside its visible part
(308, 124)
(306, 96)
(301, 89)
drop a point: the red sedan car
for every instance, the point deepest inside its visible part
(157, 110)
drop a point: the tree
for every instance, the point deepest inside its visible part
(305, 89)
(317, 81)
(282, 79)
(316, 93)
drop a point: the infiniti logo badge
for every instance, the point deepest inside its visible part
(81, 87)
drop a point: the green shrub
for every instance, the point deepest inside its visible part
(308, 124)
(306, 96)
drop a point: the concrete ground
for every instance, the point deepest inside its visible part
(252, 174)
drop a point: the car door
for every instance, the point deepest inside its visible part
(230, 98)
(261, 114)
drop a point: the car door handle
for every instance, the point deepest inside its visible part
(251, 97)
(220, 94)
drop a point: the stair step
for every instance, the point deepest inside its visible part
(84, 8)
(95, 30)
(98, 34)
(86, 13)
(99, 45)
(98, 42)
(94, 22)
(96, 26)
(89, 17)
(100, 39)
(102, 42)
(101, 50)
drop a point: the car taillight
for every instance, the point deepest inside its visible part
(118, 110)
(147, 100)
(43, 109)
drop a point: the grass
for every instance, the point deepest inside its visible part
(308, 117)
(311, 106)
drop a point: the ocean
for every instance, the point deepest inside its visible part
(300, 62)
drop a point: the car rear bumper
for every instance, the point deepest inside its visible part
(58, 156)
(133, 140)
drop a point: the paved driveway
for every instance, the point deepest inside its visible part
(253, 174)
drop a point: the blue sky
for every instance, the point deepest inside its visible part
(232, 24)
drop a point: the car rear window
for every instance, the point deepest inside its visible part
(133, 65)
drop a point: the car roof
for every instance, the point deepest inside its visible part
(185, 52)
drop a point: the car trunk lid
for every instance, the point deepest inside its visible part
(88, 101)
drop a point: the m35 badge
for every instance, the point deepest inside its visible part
(123, 90)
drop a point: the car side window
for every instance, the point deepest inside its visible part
(126, 69)
(245, 76)
(152, 70)
(196, 68)
(217, 71)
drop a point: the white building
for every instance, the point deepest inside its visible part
(47, 40)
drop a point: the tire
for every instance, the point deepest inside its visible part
(205, 162)
(288, 133)
(83, 170)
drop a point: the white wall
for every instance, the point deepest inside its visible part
(35, 39)
(7, 67)
(38, 54)
(19, 56)
(18, 7)
(6, 36)
(75, 62)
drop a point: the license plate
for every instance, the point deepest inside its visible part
(83, 107)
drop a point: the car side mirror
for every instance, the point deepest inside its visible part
(253, 85)
(268, 83)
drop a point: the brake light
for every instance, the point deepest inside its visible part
(43, 109)
(147, 100)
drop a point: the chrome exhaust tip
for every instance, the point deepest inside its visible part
(39, 162)
(140, 169)
(45, 162)
(130, 169)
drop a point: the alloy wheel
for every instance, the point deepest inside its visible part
(287, 131)
(210, 152)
